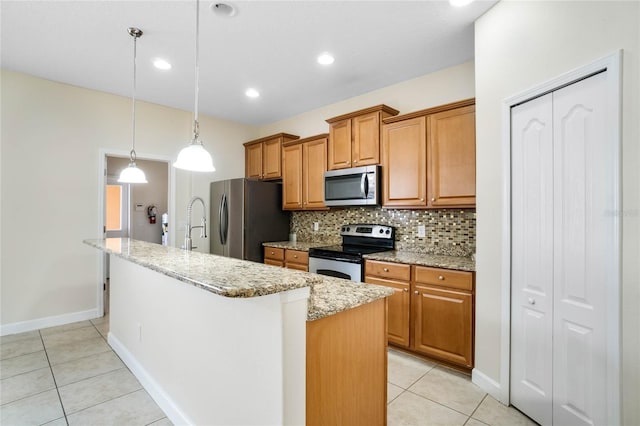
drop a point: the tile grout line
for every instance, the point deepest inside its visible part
(64, 412)
(478, 406)
(443, 405)
(109, 400)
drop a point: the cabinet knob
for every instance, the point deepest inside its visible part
(271, 252)
(440, 277)
(295, 256)
(355, 161)
(405, 290)
(416, 292)
(385, 269)
(421, 199)
(532, 301)
(348, 162)
(433, 199)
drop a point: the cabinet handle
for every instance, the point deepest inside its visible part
(385, 269)
(416, 292)
(532, 301)
(405, 289)
(440, 277)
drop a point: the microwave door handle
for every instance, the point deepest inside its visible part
(364, 187)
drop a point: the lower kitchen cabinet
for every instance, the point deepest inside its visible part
(292, 259)
(396, 276)
(296, 259)
(274, 256)
(431, 311)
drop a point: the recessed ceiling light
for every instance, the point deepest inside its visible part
(459, 3)
(161, 64)
(225, 10)
(252, 93)
(325, 59)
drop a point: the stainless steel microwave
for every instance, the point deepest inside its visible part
(358, 186)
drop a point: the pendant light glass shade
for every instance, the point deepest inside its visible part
(194, 157)
(132, 174)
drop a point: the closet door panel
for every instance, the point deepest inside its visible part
(532, 258)
(584, 250)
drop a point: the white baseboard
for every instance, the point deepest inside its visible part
(173, 412)
(36, 324)
(489, 385)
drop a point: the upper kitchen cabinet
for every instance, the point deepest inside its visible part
(429, 157)
(354, 138)
(263, 157)
(304, 163)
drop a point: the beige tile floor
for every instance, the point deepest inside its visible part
(69, 375)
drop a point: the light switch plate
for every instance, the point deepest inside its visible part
(421, 231)
(316, 226)
(139, 207)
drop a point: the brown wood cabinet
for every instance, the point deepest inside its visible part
(304, 162)
(347, 368)
(296, 259)
(292, 259)
(354, 138)
(262, 157)
(428, 157)
(398, 277)
(274, 256)
(431, 311)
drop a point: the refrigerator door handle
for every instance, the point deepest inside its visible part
(220, 207)
(225, 213)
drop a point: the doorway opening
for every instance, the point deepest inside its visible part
(137, 211)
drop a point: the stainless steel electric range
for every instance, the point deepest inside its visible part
(346, 260)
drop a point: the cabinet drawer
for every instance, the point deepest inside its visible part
(398, 271)
(297, 256)
(444, 277)
(273, 253)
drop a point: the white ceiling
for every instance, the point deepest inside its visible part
(269, 45)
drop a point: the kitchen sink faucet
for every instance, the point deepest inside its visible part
(203, 224)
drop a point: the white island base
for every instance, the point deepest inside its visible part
(222, 360)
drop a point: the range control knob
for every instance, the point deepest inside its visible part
(382, 231)
(349, 229)
(387, 232)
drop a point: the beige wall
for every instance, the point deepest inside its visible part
(52, 134)
(518, 46)
(440, 87)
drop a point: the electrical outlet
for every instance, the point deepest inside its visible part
(316, 226)
(421, 231)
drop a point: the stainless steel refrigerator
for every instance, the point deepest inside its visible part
(244, 214)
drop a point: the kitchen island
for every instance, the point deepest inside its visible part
(224, 341)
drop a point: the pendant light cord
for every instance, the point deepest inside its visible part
(196, 124)
(133, 136)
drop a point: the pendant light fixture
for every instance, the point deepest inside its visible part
(194, 157)
(132, 174)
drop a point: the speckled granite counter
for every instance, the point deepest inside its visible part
(238, 278)
(291, 245)
(432, 260)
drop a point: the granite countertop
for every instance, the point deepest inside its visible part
(293, 245)
(433, 260)
(230, 277)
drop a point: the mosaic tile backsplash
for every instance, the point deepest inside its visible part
(448, 231)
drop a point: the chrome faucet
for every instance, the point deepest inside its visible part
(203, 224)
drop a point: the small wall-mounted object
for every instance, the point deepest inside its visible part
(139, 207)
(152, 212)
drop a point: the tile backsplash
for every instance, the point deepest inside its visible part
(447, 231)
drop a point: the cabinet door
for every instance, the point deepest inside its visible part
(292, 177)
(314, 165)
(452, 158)
(443, 324)
(397, 310)
(253, 161)
(404, 163)
(271, 159)
(339, 147)
(366, 139)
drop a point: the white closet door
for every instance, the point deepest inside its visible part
(532, 258)
(584, 262)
